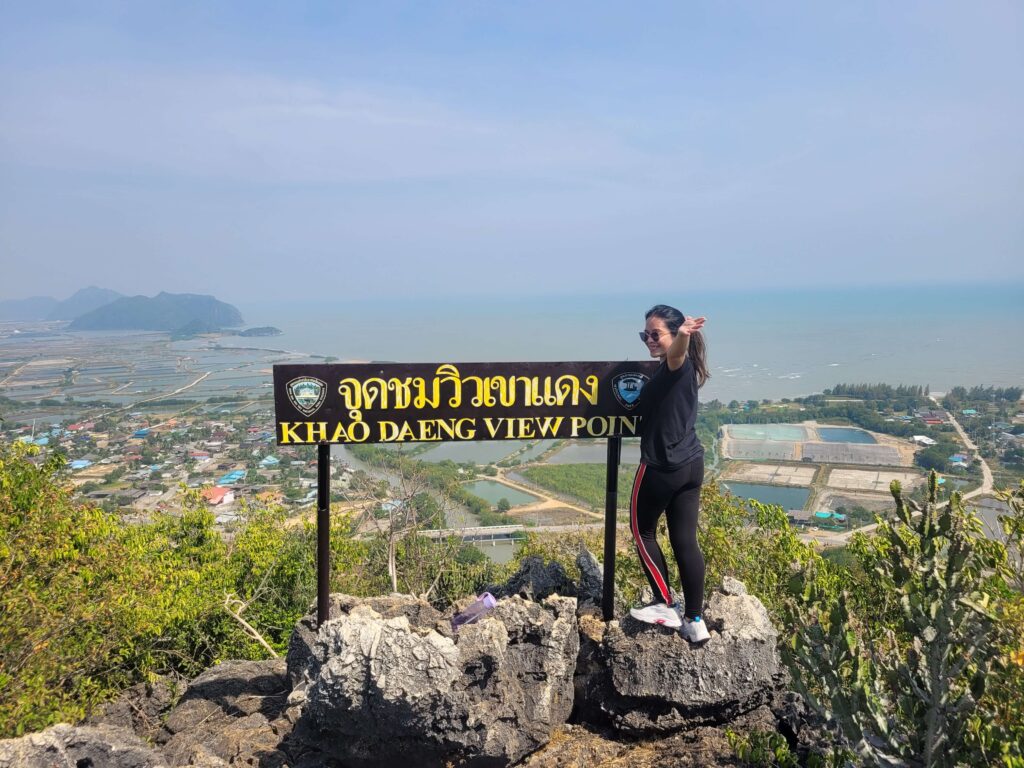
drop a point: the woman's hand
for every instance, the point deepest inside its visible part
(691, 325)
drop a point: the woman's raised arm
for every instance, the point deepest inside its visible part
(676, 355)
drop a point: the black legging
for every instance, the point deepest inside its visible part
(677, 493)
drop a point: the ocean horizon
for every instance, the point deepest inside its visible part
(773, 344)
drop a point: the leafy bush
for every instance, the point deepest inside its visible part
(91, 605)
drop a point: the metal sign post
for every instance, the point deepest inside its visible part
(323, 533)
(611, 499)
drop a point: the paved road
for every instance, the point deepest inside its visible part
(986, 473)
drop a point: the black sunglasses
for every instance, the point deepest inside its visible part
(653, 335)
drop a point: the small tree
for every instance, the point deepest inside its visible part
(906, 687)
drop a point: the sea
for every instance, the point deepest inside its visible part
(770, 344)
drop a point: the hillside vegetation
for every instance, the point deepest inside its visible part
(913, 647)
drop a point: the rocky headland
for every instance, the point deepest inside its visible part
(540, 681)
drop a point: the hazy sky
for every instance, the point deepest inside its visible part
(254, 151)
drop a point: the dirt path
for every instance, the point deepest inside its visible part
(14, 373)
(548, 501)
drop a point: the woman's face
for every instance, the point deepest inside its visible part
(658, 337)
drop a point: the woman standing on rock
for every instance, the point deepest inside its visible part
(671, 469)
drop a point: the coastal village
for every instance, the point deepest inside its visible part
(137, 455)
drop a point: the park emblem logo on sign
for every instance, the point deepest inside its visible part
(627, 388)
(307, 394)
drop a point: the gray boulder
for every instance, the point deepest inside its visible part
(402, 689)
(234, 712)
(591, 587)
(644, 679)
(536, 580)
(83, 746)
(141, 708)
(303, 643)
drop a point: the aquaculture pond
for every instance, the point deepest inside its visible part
(845, 435)
(493, 492)
(782, 432)
(483, 452)
(787, 498)
(594, 452)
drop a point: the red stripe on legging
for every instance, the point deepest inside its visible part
(635, 528)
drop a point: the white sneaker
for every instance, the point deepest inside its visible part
(657, 613)
(695, 630)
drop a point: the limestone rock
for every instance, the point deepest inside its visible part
(584, 746)
(303, 642)
(536, 580)
(801, 725)
(140, 709)
(647, 679)
(732, 586)
(382, 689)
(82, 746)
(591, 586)
(232, 712)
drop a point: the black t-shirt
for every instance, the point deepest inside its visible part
(668, 405)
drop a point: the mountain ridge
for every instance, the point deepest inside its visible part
(163, 312)
(81, 301)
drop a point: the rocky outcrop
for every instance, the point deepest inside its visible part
(303, 643)
(644, 679)
(591, 586)
(379, 687)
(541, 680)
(235, 712)
(584, 745)
(536, 580)
(85, 746)
(141, 708)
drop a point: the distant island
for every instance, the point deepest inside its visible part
(262, 330)
(178, 313)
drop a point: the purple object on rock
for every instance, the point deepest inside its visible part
(476, 610)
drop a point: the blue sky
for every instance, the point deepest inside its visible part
(259, 151)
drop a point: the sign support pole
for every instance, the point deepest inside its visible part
(611, 500)
(323, 533)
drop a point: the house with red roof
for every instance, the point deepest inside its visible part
(217, 495)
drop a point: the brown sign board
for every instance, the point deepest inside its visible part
(441, 402)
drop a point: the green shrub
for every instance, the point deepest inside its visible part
(900, 664)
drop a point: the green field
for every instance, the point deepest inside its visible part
(583, 482)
